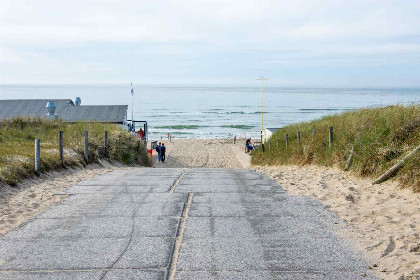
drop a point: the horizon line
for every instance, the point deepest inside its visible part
(268, 85)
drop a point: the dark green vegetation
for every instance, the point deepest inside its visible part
(17, 146)
(380, 136)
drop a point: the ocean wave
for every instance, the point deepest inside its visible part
(197, 127)
(180, 133)
(181, 126)
(240, 126)
(217, 111)
(185, 113)
(325, 109)
(243, 113)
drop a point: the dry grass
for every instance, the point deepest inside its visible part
(380, 136)
(17, 139)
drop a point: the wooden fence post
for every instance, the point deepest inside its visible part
(269, 145)
(393, 170)
(60, 146)
(298, 137)
(331, 137)
(106, 144)
(86, 145)
(350, 159)
(37, 155)
(287, 140)
(278, 142)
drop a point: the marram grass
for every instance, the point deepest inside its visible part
(380, 137)
(17, 142)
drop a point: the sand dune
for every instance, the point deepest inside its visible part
(383, 221)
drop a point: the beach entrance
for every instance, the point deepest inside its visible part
(180, 223)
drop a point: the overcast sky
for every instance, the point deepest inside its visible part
(293, 43)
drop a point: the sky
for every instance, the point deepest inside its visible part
(292, 43)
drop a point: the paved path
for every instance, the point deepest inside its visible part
(143, 223)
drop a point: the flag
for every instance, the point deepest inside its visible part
(132, 90)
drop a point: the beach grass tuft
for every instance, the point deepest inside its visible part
(379, 137)
(17, 146)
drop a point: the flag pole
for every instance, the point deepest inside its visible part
(132, 105)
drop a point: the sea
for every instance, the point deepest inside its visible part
(218, 111)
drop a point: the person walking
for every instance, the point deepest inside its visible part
(159, 151)
(162, 152)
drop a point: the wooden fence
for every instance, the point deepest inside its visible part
(61, 148)
(299, 138)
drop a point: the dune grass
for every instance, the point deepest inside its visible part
(17, 138)
(380, 137)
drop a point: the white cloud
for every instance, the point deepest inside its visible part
(273, 32)
(7, 56)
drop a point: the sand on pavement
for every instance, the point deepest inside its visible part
(18, 204)
(383, 221)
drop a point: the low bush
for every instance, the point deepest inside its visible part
(380, 138)
(17, 146)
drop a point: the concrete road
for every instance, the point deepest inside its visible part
(141, 223)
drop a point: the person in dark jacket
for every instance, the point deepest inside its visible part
(248, 146)
(162, 152)
(159, 151)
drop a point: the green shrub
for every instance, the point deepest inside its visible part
(380, 136)
(17, 146)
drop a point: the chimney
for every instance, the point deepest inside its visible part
(51, 111)
(78, 101)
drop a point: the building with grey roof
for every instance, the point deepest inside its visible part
(65, 109)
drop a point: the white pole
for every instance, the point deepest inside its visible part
(132, 106)
(262, 79)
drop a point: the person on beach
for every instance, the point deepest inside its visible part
(162, 152)
(248, 145)
(140, 134)
(159, 151)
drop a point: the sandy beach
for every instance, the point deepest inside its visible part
(207, 153)
(382, 221)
